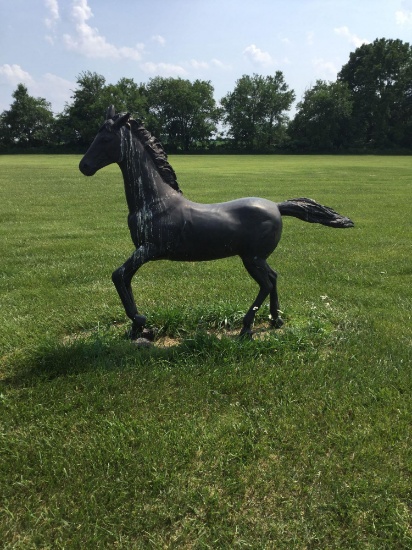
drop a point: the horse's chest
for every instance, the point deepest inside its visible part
(149, 225)
(140, 225)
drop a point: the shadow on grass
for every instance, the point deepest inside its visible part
(108, 349)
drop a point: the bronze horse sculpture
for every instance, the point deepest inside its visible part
(164, 224)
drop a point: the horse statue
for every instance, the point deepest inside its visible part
(164, 224)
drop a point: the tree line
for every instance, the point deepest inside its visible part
(367, 108)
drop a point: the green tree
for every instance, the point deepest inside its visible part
(255, 110)
(181, 113)
(379, 76)
(28, 122)
(323, 118)
(83, 116)
(127, 96)
(81, 119)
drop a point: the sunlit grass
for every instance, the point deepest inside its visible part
(298, 439)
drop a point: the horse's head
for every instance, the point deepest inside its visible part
(106, 147)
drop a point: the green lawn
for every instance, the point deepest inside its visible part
(300, 438)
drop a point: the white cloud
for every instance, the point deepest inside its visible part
(199, 65)
(403, 17)
(219, 64)
(159, 39)
(55, 89)
(326, 70)
(206, 65)
(258, 56)
(54, 15)
(89, 42)
(163, 69)
(14, 74)
(352, 38)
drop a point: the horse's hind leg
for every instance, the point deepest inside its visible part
(122, 279)
(275, 320)
(259, 270)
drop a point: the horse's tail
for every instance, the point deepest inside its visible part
(311, 211)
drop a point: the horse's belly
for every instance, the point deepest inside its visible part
(205, 242)
(203, 251)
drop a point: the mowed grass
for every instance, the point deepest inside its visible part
(300, 438)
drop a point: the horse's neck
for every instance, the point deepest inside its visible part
(142, 182)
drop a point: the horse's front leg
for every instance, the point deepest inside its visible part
(122, 279)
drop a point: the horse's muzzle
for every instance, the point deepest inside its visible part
(86, 168)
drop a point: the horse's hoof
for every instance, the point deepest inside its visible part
(277, 323)
(137, 327)
(134, 333)
(139, 320)
(142, 343)
(246, 333)
(150, 334)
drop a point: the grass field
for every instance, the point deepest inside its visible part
(300, 438)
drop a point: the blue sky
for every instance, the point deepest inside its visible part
(46, 44)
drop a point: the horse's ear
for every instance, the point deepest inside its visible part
(111, 111)
(121, 121)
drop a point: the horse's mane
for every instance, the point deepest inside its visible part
(155, 149)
